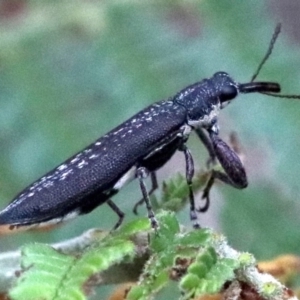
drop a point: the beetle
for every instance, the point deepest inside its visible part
(137, 149)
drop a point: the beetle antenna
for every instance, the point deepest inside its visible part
(269, 52)
(281, 96)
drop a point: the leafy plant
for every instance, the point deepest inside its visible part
(200, 262)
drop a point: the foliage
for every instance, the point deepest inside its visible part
(49, 274)
(199, 262)
(188, 258)
(184, 257)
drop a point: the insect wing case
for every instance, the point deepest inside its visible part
(87, 179)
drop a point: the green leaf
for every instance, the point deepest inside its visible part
(212, 272)
(46, 268)
(132, 228)
(168, 227)
(51, 275)
(196, 238)
(199, 269)
(175, 191)
(136, 293)
(208, 257)
(190, 282)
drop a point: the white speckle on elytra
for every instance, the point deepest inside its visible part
(64, 175)
(86, 151)
(30, 194)
(98, 143)
(82, 164)
(62, 167)
(139, 125)
(94, 156)
(118, 131)
(48, 184)
(123, 135)
(74, 160)
(129, 131)
(133, 121)
(149, 119)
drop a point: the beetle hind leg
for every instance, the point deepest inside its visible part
(234, 172)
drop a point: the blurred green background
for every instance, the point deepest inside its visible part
(72, 70)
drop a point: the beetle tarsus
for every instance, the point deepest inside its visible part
(205, 195)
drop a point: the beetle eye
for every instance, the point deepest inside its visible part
(228, 93)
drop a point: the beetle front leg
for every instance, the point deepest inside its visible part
(235, 174)
(231, 163)
(206, 141)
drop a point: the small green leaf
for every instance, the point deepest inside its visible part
(131, 228)
(46, 267)
(198, 269)
(168, 227)
(175, 191)
(55, 276)
(208, 257)
(196, 238)
(190, 282)
(135, 293)
(160, 281)
(168, 224)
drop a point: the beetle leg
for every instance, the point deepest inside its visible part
(210, 161)
(189, 173)
(118, 211)
(154, 186)
(231, 163)
(206, 141)
(141, 174)
(205, 195)
(234, 175)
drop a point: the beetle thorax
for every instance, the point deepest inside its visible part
(201, 103)
(204, 99)
(207, 120)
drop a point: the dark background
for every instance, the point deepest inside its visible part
(72, 70)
